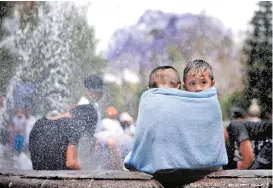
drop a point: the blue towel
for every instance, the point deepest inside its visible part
(176, 129)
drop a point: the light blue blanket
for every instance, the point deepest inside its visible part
(176, 129)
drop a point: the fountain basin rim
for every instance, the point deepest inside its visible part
(75, 174)
(125, 175)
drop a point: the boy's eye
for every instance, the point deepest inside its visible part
(192, 83)
(204, 82)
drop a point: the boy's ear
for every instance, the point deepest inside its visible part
(212, 83)
(178, 86)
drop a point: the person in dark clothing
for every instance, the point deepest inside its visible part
(53, 142)
(237, 114)
(234, 156)
(254, 142)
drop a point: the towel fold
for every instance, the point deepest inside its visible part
(176, 129)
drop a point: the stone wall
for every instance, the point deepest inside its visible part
(98, 179)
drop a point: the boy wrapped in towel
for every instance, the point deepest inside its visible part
(178, 129)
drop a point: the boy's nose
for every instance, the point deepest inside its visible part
(198, 88)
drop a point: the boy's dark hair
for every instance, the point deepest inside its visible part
(85, 116)
(197, 67)
(157, 74)
(237, 113)
(94, 83)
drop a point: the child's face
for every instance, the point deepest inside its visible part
(198, 82)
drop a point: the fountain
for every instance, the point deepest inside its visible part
(52, 49)
(43, 54)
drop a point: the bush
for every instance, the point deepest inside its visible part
(230, 101)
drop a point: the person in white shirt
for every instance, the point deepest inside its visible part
(93, 93)
(111, 123)
(127, 123)
(254, 111)
(111, 149)
(93, 86)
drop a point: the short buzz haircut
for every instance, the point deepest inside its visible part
(157, 76)
(197, 67)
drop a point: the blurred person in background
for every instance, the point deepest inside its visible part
(111, 149)
(17, 130)
(112, 142)
(237, 114)
(234, 156)
(250, 144)
(127, 122)
(93, 90)
(254, 111)
(93, 93)
(107, 150)
(53, 142)
(93, 86)
(111, 123)
(23, 161)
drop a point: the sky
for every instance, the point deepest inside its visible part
(107, 16)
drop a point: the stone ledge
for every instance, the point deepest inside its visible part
(224, 178)
(69, 174)
(112, 178)
(241, 174)
(235, 178)
(231, 183)
(19, 182)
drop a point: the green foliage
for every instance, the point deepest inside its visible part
(230, 101)
(124, 97)
(176, 58)
(258, 59)
(55, 52)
